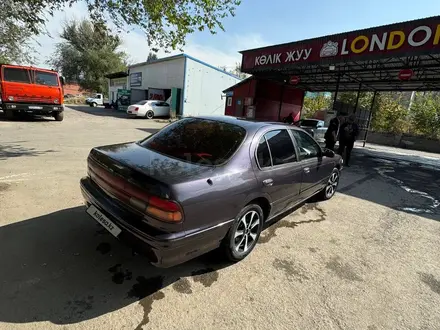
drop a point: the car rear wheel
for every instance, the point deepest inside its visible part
(330, 188)
(243, 235)
(149, 114)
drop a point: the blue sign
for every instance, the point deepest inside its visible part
(135, 79)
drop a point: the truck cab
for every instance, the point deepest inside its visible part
(30, 90)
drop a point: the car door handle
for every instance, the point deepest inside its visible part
(306, 170)
(268, 182)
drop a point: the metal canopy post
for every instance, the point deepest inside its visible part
(369, 118)
(281, 102)
(357, 98)
(336, 92)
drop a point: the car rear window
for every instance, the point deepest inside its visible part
(16, 75)
(46, 78)
(309, 123)
(195, 140)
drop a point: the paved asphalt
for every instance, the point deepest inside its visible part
(367, 259)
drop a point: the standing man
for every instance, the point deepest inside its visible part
(347, 135)
(331, 135)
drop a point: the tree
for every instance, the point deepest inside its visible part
(365, 99)
(166, 23)
(14, 36)
(389, 115)
(237, 71)
(152, 57)
(312, 104)
(86, 54)
(425, 114)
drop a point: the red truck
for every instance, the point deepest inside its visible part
(30, 90)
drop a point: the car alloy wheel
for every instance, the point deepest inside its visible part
(332, 184)
(246, 233)
(150, 114)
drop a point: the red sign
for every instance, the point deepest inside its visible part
(406, 74)
(406, 39)
(294, 80)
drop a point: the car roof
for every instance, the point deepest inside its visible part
(248, 124)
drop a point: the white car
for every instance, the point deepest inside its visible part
(149, 109)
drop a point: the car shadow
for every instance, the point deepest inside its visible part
(26, 118)
(65, 268)
(98, 111)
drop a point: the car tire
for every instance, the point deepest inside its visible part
(149, 114)
(243, 235)
(330, 188)
(59, 116)
(94, 104)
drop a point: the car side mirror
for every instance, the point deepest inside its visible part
(328, 153)
(62, 81)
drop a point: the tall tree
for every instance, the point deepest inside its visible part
(87, 53)
(152, 57)
(166, 23)
(425, 114)
(14, 36)
(315, 103)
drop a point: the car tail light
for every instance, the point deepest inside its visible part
(136, 109)
(159, 208)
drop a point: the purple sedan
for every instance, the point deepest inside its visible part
(205, 183)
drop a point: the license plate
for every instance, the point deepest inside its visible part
(35, 107)
(104, 221)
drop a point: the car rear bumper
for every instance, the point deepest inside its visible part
(162, 249)
(36, 109)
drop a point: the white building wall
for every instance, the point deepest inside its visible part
(202, 94)
(162, 75)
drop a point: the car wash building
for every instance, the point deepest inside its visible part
(192, 86)
(397, 57)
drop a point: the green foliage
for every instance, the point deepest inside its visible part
(425, 114)
(86, 54)
(364, 101)
(166, 23)
(152, 57)
(14, 36)
(313, 104)
(388, 114)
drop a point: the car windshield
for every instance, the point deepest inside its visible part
(141, 102)
(309, 122)
(195, 140)
(46, 78)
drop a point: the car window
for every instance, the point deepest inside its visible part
(46, 78)
(308, 148)
(309, 122)
(263, 154)
(281, 147)
(141, 102)
(165, 104)
(16, 75)
(196, 140)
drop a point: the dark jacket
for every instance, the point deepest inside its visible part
(348, 132)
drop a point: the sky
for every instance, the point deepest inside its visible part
(259, 23)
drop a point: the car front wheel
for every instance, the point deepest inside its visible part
(243, 235)
(330, 188)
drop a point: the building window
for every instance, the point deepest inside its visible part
(229, 102)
